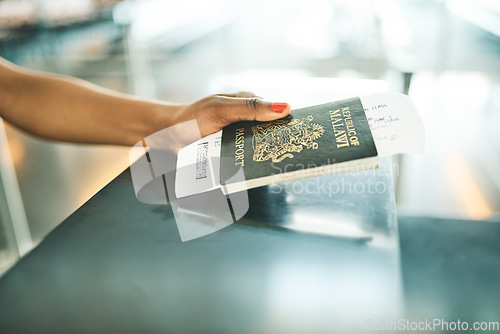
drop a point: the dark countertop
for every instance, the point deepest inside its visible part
(451, 268)
(117, 265)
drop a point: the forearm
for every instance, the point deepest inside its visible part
(69, 109)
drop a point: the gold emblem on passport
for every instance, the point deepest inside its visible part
(279, 139)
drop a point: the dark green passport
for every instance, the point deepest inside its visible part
(327, 138)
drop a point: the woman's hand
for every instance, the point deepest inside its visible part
(216, 111)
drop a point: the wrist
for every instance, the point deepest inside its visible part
(165, 115)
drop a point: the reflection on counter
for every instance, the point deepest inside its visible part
(354, 206)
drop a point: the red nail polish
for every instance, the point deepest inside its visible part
(279, 107)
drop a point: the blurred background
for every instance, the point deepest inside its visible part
(444, 54)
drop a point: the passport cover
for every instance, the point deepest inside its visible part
(321, 139)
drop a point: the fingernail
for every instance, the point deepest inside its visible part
(279, 107)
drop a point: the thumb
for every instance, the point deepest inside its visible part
(216, 112)
(257, 109)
